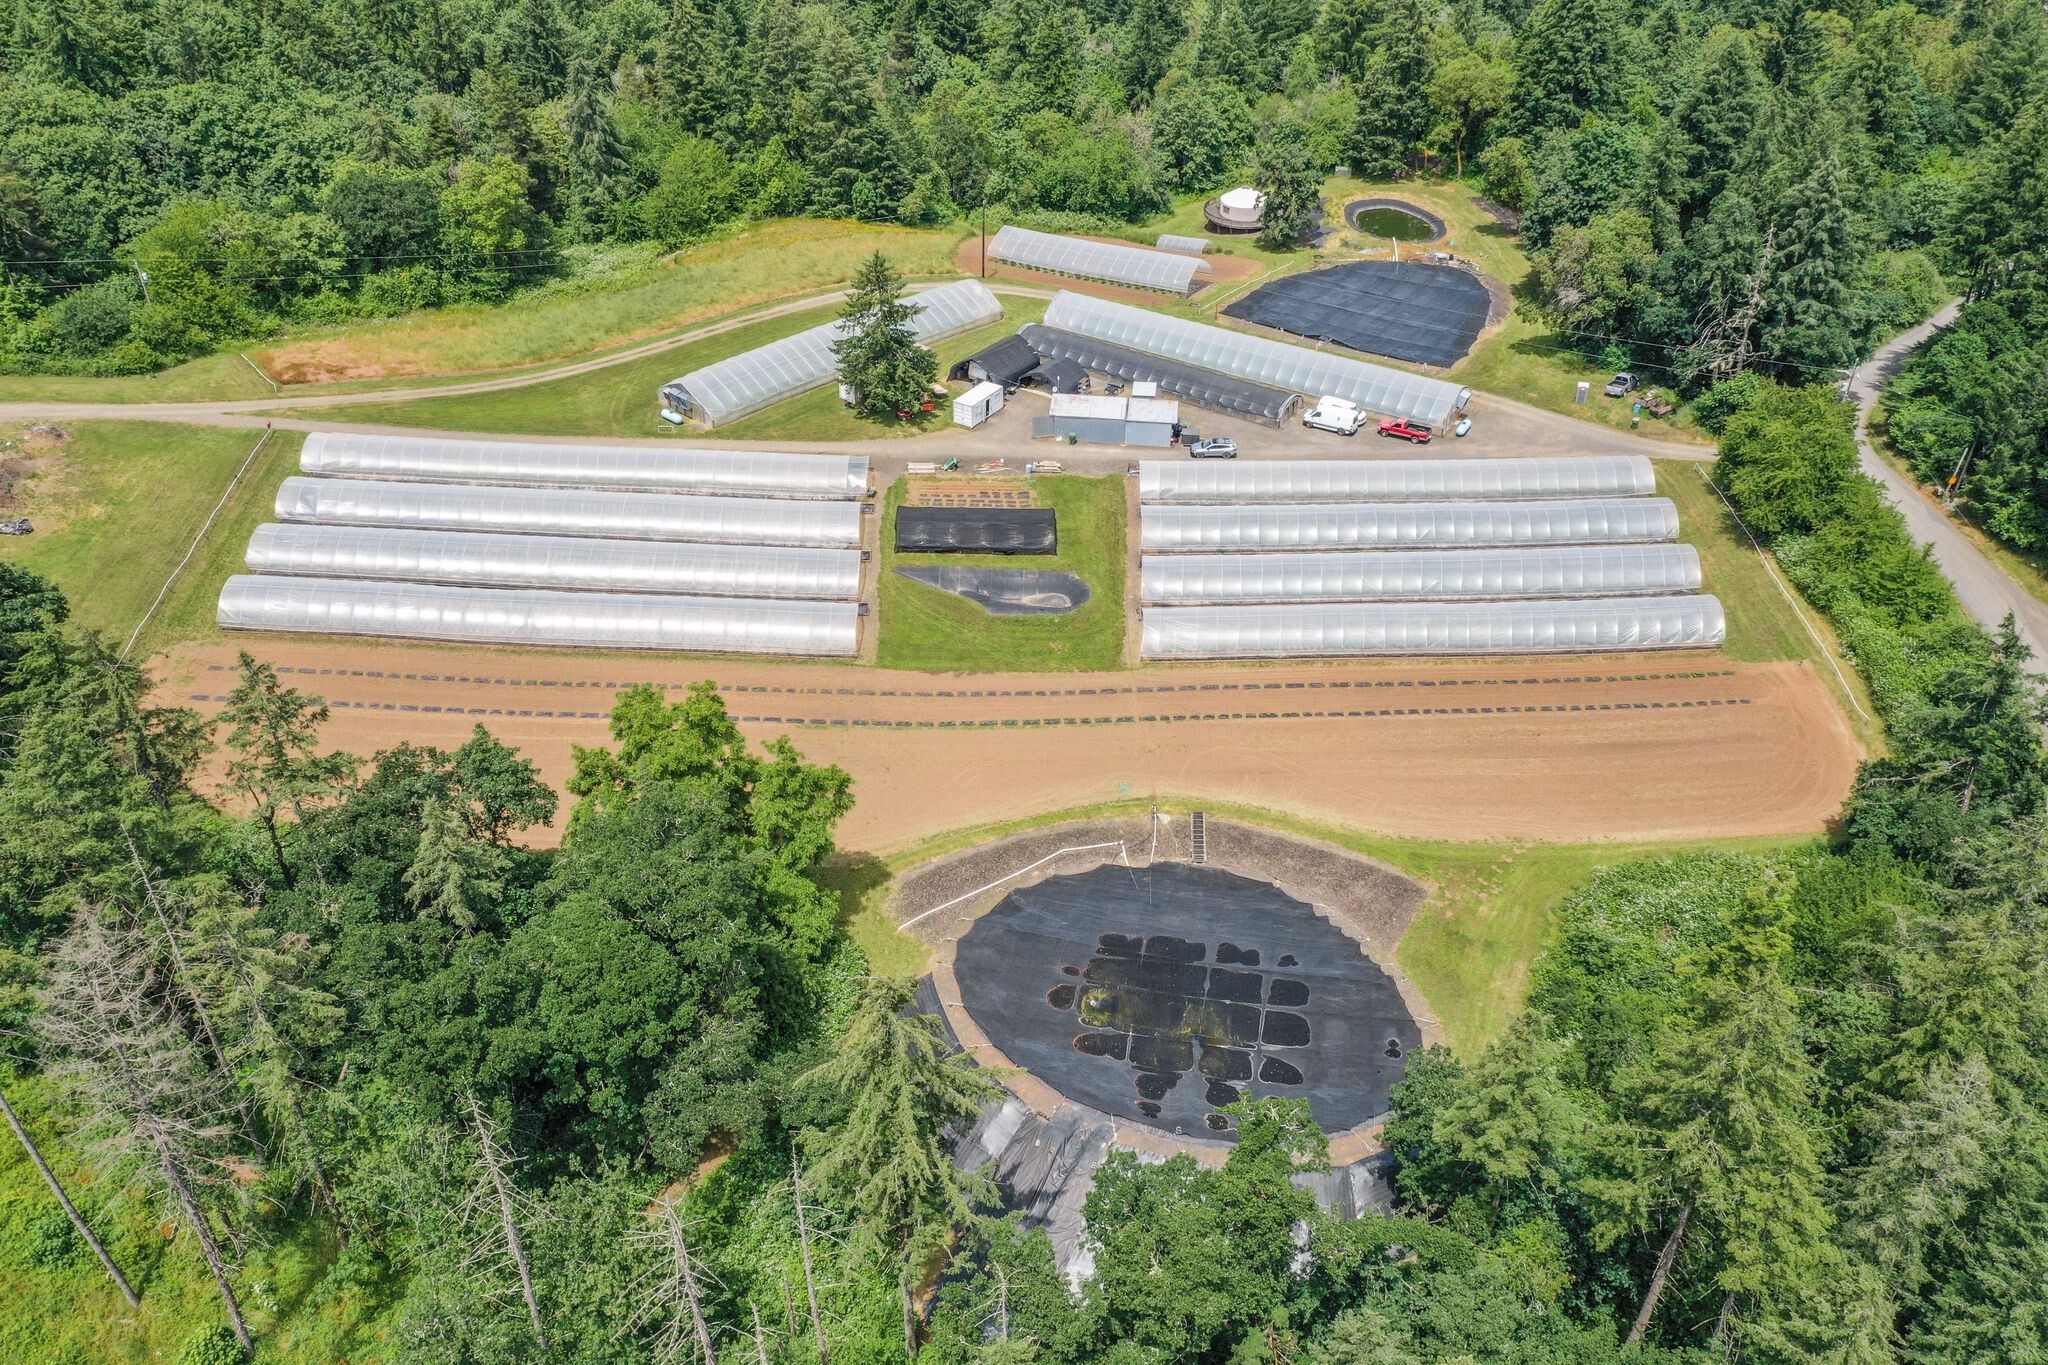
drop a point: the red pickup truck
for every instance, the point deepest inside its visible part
(1407, 431)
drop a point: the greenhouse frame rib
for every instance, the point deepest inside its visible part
(1543, 627)
(1377, 388)
(667, 469)
(524, 616)
(566, 563)
(567, 511)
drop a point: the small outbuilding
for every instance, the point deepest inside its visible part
(1008, 362)
(1102, 419)
(1240, 210)
(978, 404)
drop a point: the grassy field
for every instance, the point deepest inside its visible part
(619, 400)
(117, 505)
(925, 628)
(1490, 911)
(212, 378)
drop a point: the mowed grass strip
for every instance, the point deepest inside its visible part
(209, 379)
(118, 504)
(925, 628)
(774, 260)
(621, 400)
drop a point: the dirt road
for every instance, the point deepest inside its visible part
(1581, 749)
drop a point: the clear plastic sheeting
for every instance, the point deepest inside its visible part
(767, 374)
(566, 511)
(1398, 526)
(1240, 481)
(1194, 246)
(526, 616)
(1171, 271)
(668, 469)
(1433, 575)
(1544, 627)
(1277, 363)
(557, 562)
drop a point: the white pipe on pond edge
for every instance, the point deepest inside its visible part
(1117, 844)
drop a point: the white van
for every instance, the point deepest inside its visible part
(1335, 414)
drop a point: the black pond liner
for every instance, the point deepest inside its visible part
(1007, 592)
(1436, 226)
(1165, 1027)
(1425, 314)
(977, 530)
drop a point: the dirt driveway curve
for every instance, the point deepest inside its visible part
(1584, 749)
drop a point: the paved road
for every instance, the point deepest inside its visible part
(1988, 593)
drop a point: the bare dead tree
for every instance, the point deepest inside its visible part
(494, 1188)
(70, 1210)
(803, 1235)
(760, 1337)
(671, 1293)
(155, 1107)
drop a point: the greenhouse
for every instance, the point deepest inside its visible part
(672, 469)
(1434, 575)
(1277, 363)
(1230, 481)
(1194, 246)
(1432, 628)
(561, 562)
(1204, 388)
(1399, 526)
(526, 616)
(768, 374)
(1171, 271)
(574, 512)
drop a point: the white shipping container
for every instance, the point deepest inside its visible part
(978, 404)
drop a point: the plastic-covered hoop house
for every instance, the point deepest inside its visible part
(1277, 481)
(767, 374)
(1396, 526)
(567, 511)
(1433, 628)
(566, 563)
(1173, 272)
(525, 616)
(1420, 575)
(1376, 388)
(668, 469)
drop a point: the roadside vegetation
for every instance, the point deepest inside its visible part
(925, 628)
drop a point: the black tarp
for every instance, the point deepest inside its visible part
(1007, 592)
(1425, 314)
(1160, 994)
(1203, 388)
(1007, 362)
(977, 530)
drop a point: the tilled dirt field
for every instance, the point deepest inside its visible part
(1621, 747)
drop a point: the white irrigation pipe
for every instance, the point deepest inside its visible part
(229, 492)
(1078, 848)
(260, 372)
(1772, 569)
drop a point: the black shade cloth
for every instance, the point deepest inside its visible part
(1425, 314)
(977, 530)
(1060, 376)
(1161, 994)
(1007, 362)
(1204, 388)
(1007, 592)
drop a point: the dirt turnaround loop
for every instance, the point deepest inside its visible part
(1583, 749)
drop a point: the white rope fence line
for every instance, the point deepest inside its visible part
(229, 492)
(1117, 844)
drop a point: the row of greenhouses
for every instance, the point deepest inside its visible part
(1265, 559)
(564, 545)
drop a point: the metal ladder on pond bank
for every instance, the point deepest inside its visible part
(1198, 837)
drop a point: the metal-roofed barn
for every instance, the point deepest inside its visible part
(563, 511)
(767, 374)
(1173, 272)
(670, 469)
(483, 559)
(1392, 526)
(525, 616)
(1432, 628)
(1260, 360)
(1420, 575)
(1276, 481)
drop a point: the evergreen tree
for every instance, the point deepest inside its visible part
(599, 158)
(1394, 110)
(453, 876)
(1052, 67)
(855, 161)
(878, 355)
(1807, 327)
(1225, 49)
(1718, 119)
(1291, 183)
(775, 59)
(693, 69)
(1145, 48)
(536, 49)
(1511, 1113)
(274, 737)
(1567, 66)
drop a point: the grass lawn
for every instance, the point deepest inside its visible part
(1490, 911)
(619, 400)
(925, 628)
(117, 506)
(211, 378)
